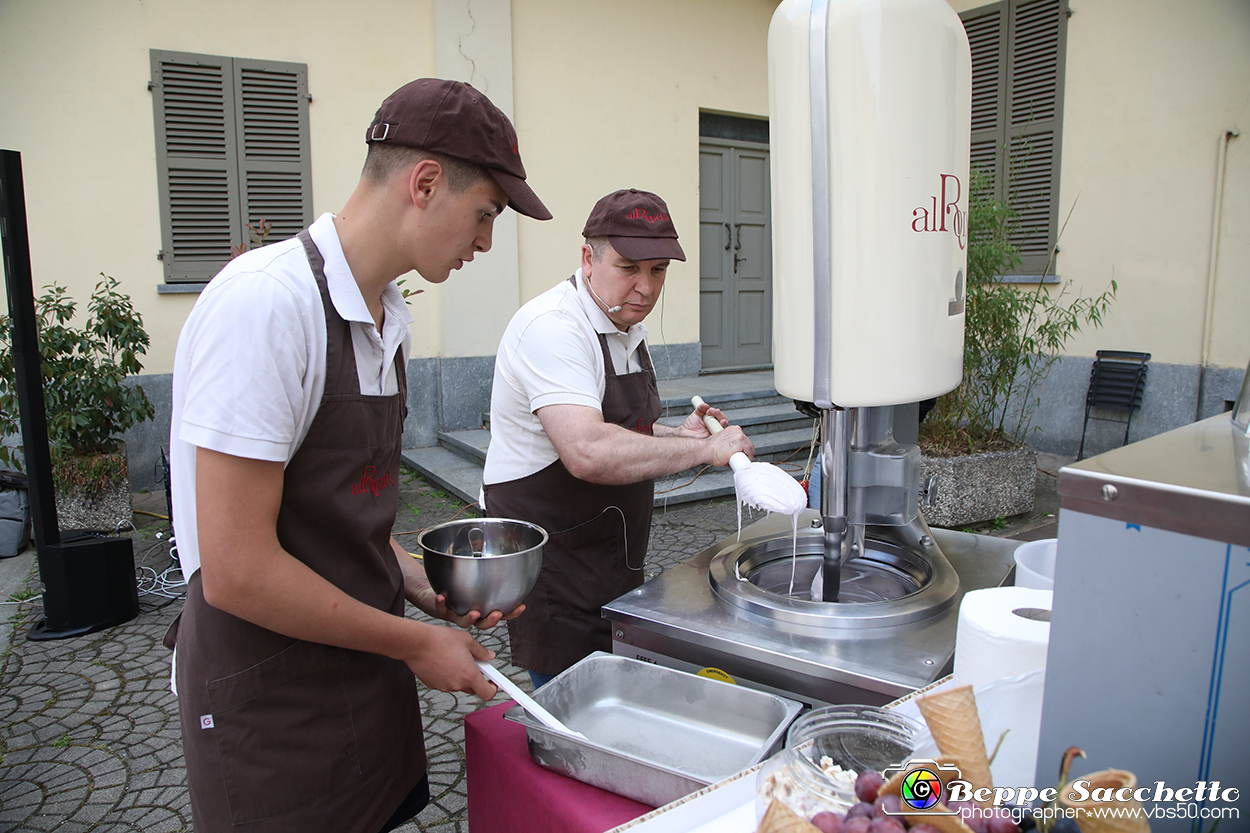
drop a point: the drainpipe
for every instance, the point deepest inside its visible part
(1212, 258)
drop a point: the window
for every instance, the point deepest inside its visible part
(1017, 115)
(231, 150)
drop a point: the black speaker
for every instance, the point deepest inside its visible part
(89, 585)
(88, 577)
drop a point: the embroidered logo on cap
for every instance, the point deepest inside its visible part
(640, 214)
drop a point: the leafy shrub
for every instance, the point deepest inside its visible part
(88, 404)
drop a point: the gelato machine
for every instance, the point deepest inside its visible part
(869, 146)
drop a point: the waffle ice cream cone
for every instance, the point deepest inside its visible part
(1125, 816)
(779, 818)
(956, 729)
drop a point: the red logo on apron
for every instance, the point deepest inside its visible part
(368, 485)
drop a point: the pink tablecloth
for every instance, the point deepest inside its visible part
(509, 793)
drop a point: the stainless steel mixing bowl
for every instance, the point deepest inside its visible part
(483, 564)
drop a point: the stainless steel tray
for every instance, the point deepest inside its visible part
(654, 734)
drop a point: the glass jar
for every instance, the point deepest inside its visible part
(825, 751)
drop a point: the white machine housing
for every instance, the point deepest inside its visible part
(886, 327)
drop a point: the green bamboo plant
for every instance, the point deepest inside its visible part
(1013, 334)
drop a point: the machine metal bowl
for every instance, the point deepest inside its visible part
(729, 608)
(483, 564)
(889, 584)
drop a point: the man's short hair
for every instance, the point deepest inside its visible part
(383, 161)
(598, 245)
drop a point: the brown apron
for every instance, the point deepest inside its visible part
(280, 734)
(585, 563)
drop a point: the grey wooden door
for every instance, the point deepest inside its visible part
(735, 255)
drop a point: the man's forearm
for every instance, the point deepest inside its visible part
(613, 455)
(623, 456)
(601, 452)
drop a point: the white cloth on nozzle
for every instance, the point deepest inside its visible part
(765, 486)
(995, 640)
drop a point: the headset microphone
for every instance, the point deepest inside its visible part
(614, 309)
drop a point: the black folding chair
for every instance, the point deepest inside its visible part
(1116, 382)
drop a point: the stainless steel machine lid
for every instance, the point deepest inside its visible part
(1181, 481)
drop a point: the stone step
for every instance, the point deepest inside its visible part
(472, 443)
(712, 483)
(780, 434)
(789, 447)
(753, 418)
(446, 469)
(456, 465)
(462, 477)
(755, 406)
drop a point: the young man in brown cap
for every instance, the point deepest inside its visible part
(575, 446)
(294, 663)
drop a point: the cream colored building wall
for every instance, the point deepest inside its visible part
(74, 100)
(608, 96)
(1151, 85)
(604, 96)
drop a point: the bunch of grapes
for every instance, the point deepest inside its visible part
(875, 813)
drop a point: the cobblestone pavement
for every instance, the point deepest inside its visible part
(89, 737)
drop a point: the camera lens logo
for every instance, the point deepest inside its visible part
(921, 789)
(922, 786)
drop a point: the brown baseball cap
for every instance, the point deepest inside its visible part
(637, 224)
(452, 118)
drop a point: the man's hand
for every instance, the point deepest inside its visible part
(417, 590)
(446, 659)
(472, 619)
(694, 426)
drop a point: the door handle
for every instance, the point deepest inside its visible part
(738, 236)
(729, 236)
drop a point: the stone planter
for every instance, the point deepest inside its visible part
(972, 488)
(93, 492)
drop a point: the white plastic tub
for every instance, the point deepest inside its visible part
(1035, 564)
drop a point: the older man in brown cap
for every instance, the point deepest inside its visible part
(294, 662)
(575, 446)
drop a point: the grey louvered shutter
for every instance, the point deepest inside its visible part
(1034, 122)
(232, 149)
(273, 145)
(1017, 108)
(197, 165)
(987, 36)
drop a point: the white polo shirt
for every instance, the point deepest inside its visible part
(550, 355)
(250, 366)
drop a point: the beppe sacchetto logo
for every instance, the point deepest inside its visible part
(924, 786)
(927, 787)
